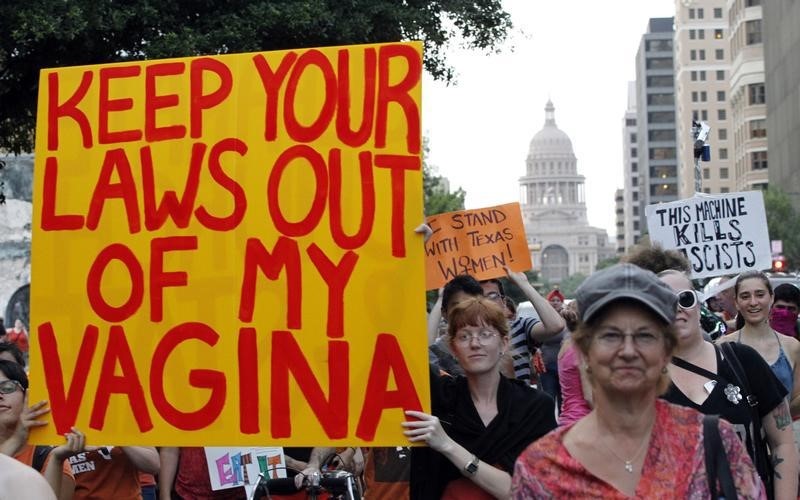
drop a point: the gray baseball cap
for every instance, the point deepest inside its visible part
(625, 281)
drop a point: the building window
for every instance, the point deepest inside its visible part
(669, 189)
(634, 152)
(693, 55)
(661, 135)
(633, 137)
(723, 153)
(701, 34)
(630, 122)
(661, 99)
(723, 173)
(692, 34)
(658, 46)
(706, 173)
(662, 153)
(758, 128)
(703, 76)
(758, 160)
(718, 34)
(756, 93)
(720, 74)
(721, 115)
(704, 114)
(634, 181)
(718, 13)
(635, 196)
(752, 3)
(724, 190)
(636, 210)
(694, 96)
(699, 13)
(661, 117)
(695, 115)
(634, 167)
(752, 31)
(701, 54)
(707, 190)
(719, 54)
(691, 14)
(660, 81)
(722, 134)
(694, 76)
(659, 63)
(720, 95)
(703, 96)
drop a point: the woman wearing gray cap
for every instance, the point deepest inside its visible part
(631, 444)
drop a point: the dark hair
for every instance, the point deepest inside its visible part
(510, 305)
(751, 275)
(14, 350)
(13, 371)
(496, 282)
(788, 292)
(461, 283)
(476, 310)
(656, 259)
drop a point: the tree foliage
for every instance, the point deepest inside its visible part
(782, 223)
(39, 34)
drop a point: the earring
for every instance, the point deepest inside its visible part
(664, 370)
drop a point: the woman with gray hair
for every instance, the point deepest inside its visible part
(632, 444)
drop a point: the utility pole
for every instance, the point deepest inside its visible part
(702, 151)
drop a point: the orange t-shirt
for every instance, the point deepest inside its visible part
(105, 473)
(25, 455)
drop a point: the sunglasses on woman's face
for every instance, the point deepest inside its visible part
(687, 299)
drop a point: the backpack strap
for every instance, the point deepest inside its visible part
(40, 454)
(716, 460)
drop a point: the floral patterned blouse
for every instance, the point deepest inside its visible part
(674, 466)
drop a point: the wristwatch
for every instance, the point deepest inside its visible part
(472, 466)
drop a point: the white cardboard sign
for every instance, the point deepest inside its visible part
(719, 234)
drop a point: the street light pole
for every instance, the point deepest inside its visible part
(701, 149)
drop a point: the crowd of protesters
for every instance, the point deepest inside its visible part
(624, 390)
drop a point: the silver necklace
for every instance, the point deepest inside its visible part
(629, 463)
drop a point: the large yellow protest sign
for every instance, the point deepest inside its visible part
(223, 249)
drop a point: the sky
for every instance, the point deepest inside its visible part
(580, 54)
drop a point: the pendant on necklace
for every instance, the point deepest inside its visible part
(629, 466)
(733, 393)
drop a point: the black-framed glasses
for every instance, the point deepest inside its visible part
(687, 299)
(10, 386)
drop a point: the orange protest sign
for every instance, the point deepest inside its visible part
(478, 242)
(216, 243)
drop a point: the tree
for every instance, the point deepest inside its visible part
(607, 263)
(39, 34)
(569, 285)
(782, 223)
(437, 198)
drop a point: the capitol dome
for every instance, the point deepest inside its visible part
(550, 141)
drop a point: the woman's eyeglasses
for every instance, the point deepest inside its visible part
(687, 299)
(483, 336)
(614, 339)
(10, 386)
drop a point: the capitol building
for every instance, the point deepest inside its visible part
(561, 241)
